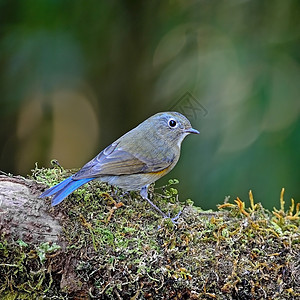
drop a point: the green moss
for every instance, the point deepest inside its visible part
(118, 247)
(23, 275)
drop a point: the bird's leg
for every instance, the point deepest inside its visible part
(144, 194)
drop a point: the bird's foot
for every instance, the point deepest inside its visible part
(144, 194)
(173, 220)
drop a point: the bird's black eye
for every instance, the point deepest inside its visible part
(172, 123)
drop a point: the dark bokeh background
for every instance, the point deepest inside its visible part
(75, 75)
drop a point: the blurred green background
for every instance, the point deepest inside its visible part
(76, 75)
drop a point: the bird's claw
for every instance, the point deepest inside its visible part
(174, 220)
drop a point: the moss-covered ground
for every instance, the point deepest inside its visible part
(115, 246)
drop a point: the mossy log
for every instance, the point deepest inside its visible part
(101, 243)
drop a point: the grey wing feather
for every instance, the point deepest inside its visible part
(114, 160)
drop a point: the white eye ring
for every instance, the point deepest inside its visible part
(172, 123)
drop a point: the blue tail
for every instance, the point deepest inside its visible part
(63, 189)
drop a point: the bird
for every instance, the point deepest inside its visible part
(135, 160)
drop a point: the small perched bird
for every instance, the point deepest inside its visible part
(135, 160)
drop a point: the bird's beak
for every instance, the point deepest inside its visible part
(192, 130)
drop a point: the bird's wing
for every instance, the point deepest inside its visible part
(114, 160)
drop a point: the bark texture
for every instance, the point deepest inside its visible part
(23, 215)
